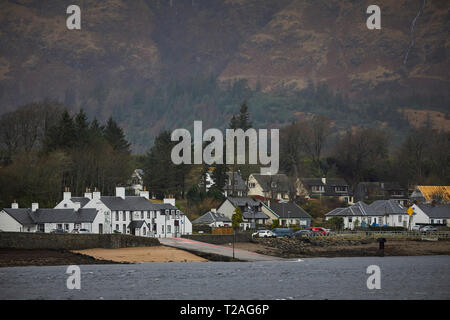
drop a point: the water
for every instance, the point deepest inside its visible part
(425, 277)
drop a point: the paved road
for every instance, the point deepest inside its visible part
(314, 278)
(227, 251)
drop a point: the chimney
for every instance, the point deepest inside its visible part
(88, 194)
(324, 180)
(67, 194)
(14, 205)
(120, 192)
(96, 195)
(213, 210)
(170, 201)
(34, 206)
(145, 194)
(77, 206)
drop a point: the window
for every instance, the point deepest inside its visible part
(400, 218)
(144, 232)
(117, 227)
(59, 226)
(148, 214)
(251, 185)
(124, 228)
(66, 226)
(169, 229)
(350, 219)
(117, 215)
(142, 214)
(162, 229)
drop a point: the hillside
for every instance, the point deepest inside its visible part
(156, 64)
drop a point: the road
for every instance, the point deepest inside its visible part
(192, 245)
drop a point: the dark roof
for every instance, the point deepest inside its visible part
(254, 215)
(242, 201)
(137, 224)
(26, 216)
(82, 200)
(436, 211)
(265, 180)
(358, 209)
(376, 208)
(20, 215)
(334, 182)
(239, 183)
(129, 203)
(211, 217)
(328, 187)
(288, 210)
(388, 207)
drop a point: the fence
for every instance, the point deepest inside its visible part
(222, 230)
(396, 235)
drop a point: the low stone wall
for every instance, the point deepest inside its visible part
(220, 238)
(25, 240)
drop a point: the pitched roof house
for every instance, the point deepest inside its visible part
(432, 214)
(235, 185)
(250, 208)
(380, 212)
(429, 193)
(326, 187)
(272, 186)
(380, 191)
(213, 219)
(45, 220)
(289, 214)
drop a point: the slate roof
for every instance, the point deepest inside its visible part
(265, 180)
(241, 201)
(436, 211)
(329, 186)
(82, 200)
(239, 183)
(376, 208)
(388, 207)
(137, 224)
(128, 204)
(255, 215)
(288, 210)
(20, 215)
(211, 217)
(26, 216)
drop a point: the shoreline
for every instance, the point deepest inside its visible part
(282, 248)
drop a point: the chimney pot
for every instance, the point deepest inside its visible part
(120, 192)
(34, 206)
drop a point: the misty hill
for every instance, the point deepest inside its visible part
(163, 64)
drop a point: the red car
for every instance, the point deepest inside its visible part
(321, 230)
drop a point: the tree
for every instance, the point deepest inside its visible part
(116, 137)
(336, 223)
(237, 219)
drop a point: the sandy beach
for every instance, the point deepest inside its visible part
(142, 254)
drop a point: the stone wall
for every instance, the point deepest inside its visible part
(25, 240)
(220, 239)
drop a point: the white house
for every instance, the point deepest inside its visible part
(45, 220)
(155, 219)
(251, 209)
(213, 219)
(432, 214)
(378, 213)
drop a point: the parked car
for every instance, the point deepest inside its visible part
(80, 231)
(320, 230)
(416, 227)
(304, 232)
(428, 229)
(264, 234)
(282, 232)
(58, 231)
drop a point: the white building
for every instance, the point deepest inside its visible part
(432, 214)
(137, 215)
(213, 219)
(378, 213)
(33, 219)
